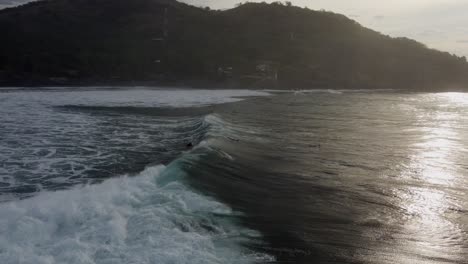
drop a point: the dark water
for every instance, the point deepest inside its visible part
(346, 178)
(305, 177)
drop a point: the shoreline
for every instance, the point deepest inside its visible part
(223, 85)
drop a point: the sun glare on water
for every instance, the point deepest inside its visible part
(460, 98)
(432, 173)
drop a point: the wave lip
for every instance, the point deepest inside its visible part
(55, 138)
(123, 220)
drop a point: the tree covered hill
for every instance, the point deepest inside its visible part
(252, 45)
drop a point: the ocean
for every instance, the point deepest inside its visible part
(163, 175)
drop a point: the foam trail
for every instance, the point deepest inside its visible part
(123, 220)
(54, 138)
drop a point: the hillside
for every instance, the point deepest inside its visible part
(71, 42)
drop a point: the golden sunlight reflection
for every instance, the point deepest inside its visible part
(430, 177)
(432, 159)
(459, 98)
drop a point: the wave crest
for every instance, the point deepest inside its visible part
(123, 220)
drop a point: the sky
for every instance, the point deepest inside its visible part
(440, 24)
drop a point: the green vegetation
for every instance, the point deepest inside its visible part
(252, 45)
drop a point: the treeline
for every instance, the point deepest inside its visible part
(163, 41)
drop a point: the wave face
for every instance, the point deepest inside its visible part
(124, 220)
(80, 180)
(351, 177)
(54, 139)
(297, 177)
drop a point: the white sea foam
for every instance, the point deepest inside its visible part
(150, 218)
(45, 147)
(331, 91)
(123, 220)
(136, 97)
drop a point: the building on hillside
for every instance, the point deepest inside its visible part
(267, 69)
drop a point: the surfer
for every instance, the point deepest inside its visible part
(233, 139)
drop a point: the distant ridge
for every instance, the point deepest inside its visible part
(83, 42)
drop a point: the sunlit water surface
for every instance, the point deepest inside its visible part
(301, 177)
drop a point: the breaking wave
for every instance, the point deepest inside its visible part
(151, 218)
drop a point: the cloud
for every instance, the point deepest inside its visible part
(430, 33)
(462, 41)
(379, 17)
(10, 3)
(7, 2)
